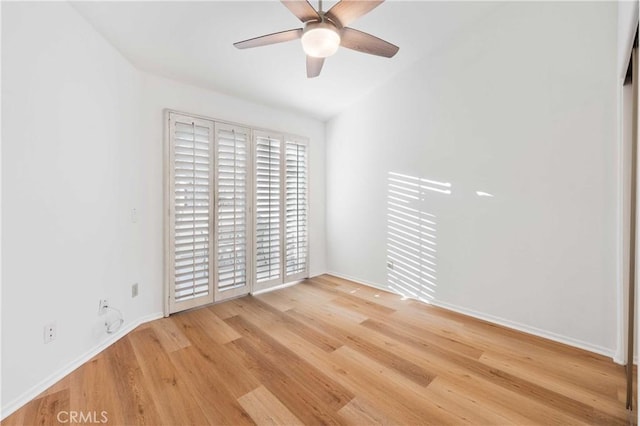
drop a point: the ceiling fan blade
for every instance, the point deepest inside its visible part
(346, 11)
(302, 9)
(274, 38)
(366, 43)
(314, 66)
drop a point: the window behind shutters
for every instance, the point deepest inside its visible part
(236, 203)
(190, 181)
(296, 208)
(232, 210)
(268, 206)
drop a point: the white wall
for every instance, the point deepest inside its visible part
(521, 106)
(82, 146)
(69, 179)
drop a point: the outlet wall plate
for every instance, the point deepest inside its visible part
(102, 306)
(50, 332)
(134, 290)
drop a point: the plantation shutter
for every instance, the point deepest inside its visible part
(268, 206)
(232, 210)
(190, 190)
(296, 208)
(236, 210)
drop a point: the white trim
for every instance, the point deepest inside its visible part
(359, 281)
(277, 287)
(499, 321)
(170, 223)
(299, 141)
(619, 352)
(233, 123)
(55, 377)
(527, 329)
(166, 213)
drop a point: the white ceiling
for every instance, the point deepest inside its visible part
(193, 42)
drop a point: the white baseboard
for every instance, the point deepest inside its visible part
(527, 329)
(277, 287)
(359, 281)
(620, 357)
(500, 321)
(37, 389)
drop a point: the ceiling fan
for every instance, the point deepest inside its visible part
(324, 32)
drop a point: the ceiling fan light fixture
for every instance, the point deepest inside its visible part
(325, 32)
(320, 40)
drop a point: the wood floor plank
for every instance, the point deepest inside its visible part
(208, 390)
(467, 408)
(366, 308)
(472, 372)
(52, 408)
(358, 412)
(497, 406)
(426, 338)
(279, 300)
(171, 393)
(265, 409)
(387, 357)
(405, 407)
(409, 398)
(136, 403)
(333, 351)
(170, 336)
(605, 403)
(319, 385)
(510, 381)
(267, 316)
(298, 399)
(224, 310)
(85, 396)
(212, 325)
(329, 306)
(216, 358)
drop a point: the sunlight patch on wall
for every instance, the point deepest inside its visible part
(411, 236)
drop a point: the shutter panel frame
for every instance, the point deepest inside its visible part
(189, 279)
(296, 244)
(232, 211)
(201, 185)
(268, 218)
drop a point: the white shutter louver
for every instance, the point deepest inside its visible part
(236, 202)
(190, 192)
(268, 202)
(296, 187)
(232, 153)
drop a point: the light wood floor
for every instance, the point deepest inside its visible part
(332, 351)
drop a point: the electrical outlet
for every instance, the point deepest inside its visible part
(102, 307)
(390, 264)
(134, 290)
(49, 332)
